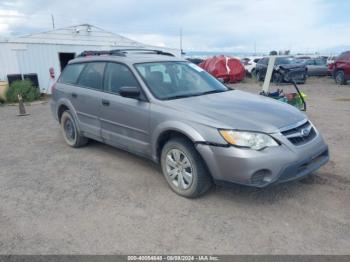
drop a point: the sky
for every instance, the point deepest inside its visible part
(207, 25)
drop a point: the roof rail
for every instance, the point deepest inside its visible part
(123, 52)
(143, 50)
(102, 52)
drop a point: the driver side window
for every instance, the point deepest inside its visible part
(117, 76)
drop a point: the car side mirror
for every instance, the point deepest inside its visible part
(130, 91)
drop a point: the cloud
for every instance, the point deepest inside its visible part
(225, 25)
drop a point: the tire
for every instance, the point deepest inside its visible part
(70, 131)
(258, 75)
(252, 73)
(276, 78)
(339, 78)
(178, 158)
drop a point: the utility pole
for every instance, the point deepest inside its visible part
(53, 21)
(181, 40)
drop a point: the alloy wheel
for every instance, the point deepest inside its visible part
(179, 169)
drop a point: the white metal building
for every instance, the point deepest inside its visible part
(37, 53)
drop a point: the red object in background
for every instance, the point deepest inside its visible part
(330, 68)
(342, 63)
(52, 72)
(229, 69)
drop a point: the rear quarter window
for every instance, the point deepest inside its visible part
(71, 73)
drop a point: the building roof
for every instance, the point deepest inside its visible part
(84, 34)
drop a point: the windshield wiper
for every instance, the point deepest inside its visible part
(211, 92)
(179, 96)
(195, 94)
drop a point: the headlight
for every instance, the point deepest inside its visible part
(251, 140)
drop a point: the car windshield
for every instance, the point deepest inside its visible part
(172, 80)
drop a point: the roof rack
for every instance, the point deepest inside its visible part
(143, 50)
(98, 53)
(123, 52)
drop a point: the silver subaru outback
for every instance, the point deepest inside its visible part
(171, 111)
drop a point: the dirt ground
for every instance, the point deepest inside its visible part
(101, 200)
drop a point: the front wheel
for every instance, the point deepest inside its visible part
(70, 131)
(277, 78)
(340, 77)
(183, 168)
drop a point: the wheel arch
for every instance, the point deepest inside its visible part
(163, 133)
(64, 105)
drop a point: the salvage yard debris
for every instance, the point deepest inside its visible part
(229, 69)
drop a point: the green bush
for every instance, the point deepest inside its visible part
(25, 88)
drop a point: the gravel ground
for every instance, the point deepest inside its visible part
(101, 200)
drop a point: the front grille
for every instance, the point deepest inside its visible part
(301, 134)
(297, 74)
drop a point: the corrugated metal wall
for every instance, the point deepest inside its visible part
(36, 53)
(36, 58)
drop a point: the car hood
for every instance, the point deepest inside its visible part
(238, 110)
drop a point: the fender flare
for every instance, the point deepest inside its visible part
(67, 103)
(175, 126)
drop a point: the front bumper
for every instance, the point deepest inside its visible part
(261, 168)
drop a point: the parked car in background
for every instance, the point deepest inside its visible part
(173, 112)
(316, 67)
(229, 69)
(341, 68)
(195, 60)
(299, 69)
(331, 59)
(249, 64)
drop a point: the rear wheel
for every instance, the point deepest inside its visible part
(183, 168)
(70, 131)
(340, 77)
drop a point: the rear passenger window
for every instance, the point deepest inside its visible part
(71, 73)
(117, 76)
(92, 75)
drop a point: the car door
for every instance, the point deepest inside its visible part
(124, 121)
(347, 66)
(264, 65)
(320, 67)
(86, 99)
(311, 67)
(261, 66)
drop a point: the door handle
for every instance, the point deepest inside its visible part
(74, 95)
(105, 102)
